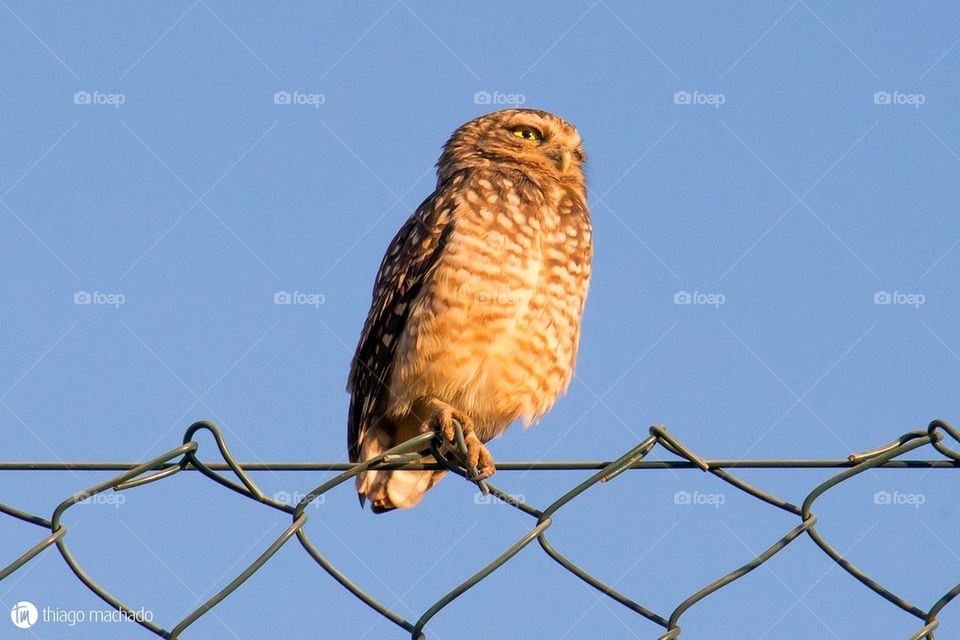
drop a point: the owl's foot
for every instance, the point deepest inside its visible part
(478, 459)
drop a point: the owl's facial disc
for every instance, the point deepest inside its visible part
(525, 139)
(537, 139)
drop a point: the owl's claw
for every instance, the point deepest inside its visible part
(478, 460)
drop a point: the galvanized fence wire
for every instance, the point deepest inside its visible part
(409, 455)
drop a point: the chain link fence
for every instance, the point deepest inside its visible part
(408, 455)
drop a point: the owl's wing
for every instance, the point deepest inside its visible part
(408, 261)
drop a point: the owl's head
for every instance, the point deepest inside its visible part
(528, 140)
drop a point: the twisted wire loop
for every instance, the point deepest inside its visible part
(410, 454)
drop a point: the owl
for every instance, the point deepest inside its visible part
(477, 304)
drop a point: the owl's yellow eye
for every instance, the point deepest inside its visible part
(527, 133)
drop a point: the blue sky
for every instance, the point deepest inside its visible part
(784, 167)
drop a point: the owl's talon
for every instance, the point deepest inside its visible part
(478, 461)
(479, 458)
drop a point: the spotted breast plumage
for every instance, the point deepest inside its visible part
(477, 304)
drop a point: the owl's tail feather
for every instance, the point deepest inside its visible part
(389, 490)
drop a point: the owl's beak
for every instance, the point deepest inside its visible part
(565, 158)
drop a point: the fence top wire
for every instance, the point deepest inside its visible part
(408, 455)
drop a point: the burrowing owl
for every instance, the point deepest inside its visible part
(477, 304)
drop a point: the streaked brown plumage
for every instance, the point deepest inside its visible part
(477, 304)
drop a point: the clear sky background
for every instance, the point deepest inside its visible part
(784, 189)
